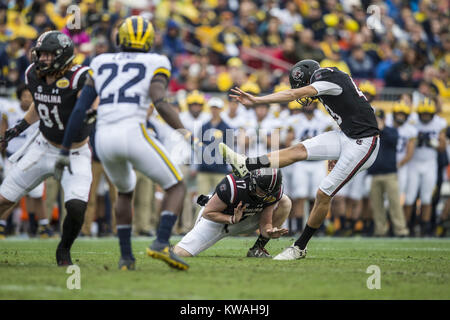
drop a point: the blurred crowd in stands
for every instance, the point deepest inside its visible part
(214, 45)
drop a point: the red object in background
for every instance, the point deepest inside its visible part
(23, 209)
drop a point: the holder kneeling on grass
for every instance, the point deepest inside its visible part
(240, 206)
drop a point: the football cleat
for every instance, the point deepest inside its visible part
(63, 257)
(258, 253)
(127, 264)
(291, 253)
(237, 161)
(165, 253)
(2, 232)
(45, 232)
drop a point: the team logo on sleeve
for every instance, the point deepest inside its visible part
(223, 187)
(297, 74)
(63, 83)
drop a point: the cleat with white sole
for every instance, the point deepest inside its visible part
(291, 253)
(236, 160)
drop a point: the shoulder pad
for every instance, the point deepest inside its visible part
(321, 73)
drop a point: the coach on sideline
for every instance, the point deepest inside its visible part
(385, 181)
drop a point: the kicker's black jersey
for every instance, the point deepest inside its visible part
(55, 102)
(232, 190)
(350, 109)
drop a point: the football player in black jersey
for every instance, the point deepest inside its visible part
(55, 83)
(240, 205)
(351, 150)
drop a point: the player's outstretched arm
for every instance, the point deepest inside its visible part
(278, 97)
(265, 224)
(158, 88)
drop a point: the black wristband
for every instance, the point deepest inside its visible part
(22, 126)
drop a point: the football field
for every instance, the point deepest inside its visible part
(335, 268)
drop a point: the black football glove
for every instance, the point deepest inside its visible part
(91, 116)
(60, 164)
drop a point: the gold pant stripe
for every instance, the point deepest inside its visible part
(161, 153)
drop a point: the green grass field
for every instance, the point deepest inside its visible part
(335, 268)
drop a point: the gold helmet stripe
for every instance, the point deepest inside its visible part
(147, 33)
(130, 30)
(140, 27)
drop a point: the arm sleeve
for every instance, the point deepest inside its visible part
(163, 67)
(326, 88)
(75, 123)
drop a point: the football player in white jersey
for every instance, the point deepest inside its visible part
(406, 143)
(423, 165)
(13, 113)
(306, 175)
(126, 83)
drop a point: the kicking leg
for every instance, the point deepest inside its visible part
(322, 147)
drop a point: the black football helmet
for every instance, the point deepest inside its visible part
(265, 182)
(57, 43)
(301, 72)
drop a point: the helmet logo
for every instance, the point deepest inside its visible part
(64, 40)
(297, 74)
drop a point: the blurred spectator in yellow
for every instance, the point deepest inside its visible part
(228, 37)
(253, 37)
(329, 41)
(234, 75)
(335, 61)
(19, 27)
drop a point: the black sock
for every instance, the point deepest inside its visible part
(304, 238)
(72, 223)
(260, 242)
(124, 234)
(257, 162)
